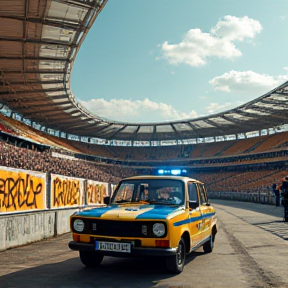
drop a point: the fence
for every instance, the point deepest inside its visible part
(255, 197)
(36, 205)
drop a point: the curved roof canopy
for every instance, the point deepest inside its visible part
(39, 41)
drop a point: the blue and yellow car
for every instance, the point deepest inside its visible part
(165, 216)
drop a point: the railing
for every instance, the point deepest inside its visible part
(255, 197)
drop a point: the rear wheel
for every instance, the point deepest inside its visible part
(175, 264)
(285, 214)
(209, 245)
(90, 259)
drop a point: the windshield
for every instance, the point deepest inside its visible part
(153, 191)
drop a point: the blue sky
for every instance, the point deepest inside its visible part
(164, 60)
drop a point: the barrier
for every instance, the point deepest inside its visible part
(35, 206)
(95, 192)
(20, 229)
(22, 190)
(266, 197)
(66, 192)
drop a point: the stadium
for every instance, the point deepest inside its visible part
(245, 148)
(57, 158)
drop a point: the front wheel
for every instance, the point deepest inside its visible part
(175, 264)
(90, 259)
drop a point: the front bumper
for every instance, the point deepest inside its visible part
(135, 251)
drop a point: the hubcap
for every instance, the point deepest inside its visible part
(179, 254)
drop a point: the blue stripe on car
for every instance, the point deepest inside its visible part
(193, 219)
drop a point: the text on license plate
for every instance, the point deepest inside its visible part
(113, 246)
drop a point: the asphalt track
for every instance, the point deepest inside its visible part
(251, 250)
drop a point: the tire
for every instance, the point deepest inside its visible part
(90, 259)
(285, 218)
(175, 264)
(209, 245)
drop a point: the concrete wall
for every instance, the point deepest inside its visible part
(35, 205)
(23, 228)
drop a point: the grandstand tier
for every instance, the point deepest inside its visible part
(39, 42)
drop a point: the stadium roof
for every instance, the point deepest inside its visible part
(39, 41)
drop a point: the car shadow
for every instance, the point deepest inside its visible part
(113, 272)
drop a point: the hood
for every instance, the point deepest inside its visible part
(133, 211)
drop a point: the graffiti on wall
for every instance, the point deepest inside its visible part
(22, 190)
(15, 228)
(95, 192)
(66, 191)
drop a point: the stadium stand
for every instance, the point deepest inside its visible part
(39, 42)
(236, 171)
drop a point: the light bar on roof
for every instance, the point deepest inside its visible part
(174, 172)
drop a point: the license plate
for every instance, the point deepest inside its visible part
(113, 246)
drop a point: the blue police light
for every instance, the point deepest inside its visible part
(174, 172)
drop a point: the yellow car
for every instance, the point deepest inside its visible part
(165, 216)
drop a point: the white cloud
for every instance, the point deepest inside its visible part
(135, 111)
(233, 28)
(197, 46)
(246, 81)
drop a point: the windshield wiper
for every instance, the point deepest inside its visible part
(122, 201)
(162, 202)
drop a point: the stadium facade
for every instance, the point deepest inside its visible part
(39, 41)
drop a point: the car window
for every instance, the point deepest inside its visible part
(154, 191)
(192, 192)
(124, 193)
(202, 193)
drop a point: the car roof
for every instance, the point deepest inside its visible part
(168, 177)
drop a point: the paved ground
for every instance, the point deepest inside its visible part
(271, 210)
(272, 220)
(251, 251)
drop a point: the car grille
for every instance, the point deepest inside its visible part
(120, 228)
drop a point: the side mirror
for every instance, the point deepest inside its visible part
(106, 200)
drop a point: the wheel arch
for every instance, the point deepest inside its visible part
(187, 241)
(214, 230)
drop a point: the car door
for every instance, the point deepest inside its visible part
(195, 216)
(205, 208)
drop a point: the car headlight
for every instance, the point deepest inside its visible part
(159, 229)
(78, 225)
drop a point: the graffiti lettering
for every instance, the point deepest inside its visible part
(66, 192)
(21, 191)
(95, 192)
(10, 230)
(23, 226)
